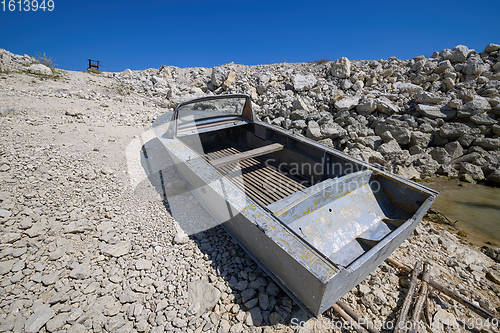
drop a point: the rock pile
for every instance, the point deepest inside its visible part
(17, 63)
(425, 116)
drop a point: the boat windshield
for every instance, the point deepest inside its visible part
(198, 112)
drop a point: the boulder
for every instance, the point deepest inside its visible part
(476, 106)
(408, 172)
(346, 84)
(455, 130)
(372, 142)
(427, 166)
(218, 77)
(408, 87)
(117, 250)
(455, 103)
(438, 139)
(495, 129)
(299, 114)
(358, 85)
(80, 272)
(420, 139)
(457, 54)
(474, 171)
(347, 103)
(299, 104)
(303, 82)
(492, 48)
(384, 105)
(341, 68)
(487, 143)
(389, 147)
(466, 140)
(401, 134)
(430, 98)
(454, 149)
(436, 111)
(367, 106)
(483, 119)
(332, 130)
(40, 69)
(443, 66)
(231, 77)
(474, 66)
(494, 179)
(300, 124)
(337, 95)
(440, 155)
(254, 317)
(313, 131)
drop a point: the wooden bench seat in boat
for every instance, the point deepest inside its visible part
(226, 160)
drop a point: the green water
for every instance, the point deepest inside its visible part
(476, 207)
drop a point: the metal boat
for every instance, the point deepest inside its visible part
(315, 219)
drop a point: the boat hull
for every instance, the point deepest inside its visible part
(318, 242)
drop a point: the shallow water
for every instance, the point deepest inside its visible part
(476, 208)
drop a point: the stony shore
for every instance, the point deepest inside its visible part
(88, 245)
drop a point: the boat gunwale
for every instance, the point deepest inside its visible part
(208, 181)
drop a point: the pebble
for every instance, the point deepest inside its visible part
(178, 322)
(4, 213)
(180, 238)
(80, 272)
(6, 266)
(18, 266)
(10, 237)
(128, 296)
(38, 319)
(202, 296)
(143, 264)
(49, 279)
(117, 250)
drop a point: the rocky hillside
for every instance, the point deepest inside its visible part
(423, 116)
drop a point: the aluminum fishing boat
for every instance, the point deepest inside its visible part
(315, 219)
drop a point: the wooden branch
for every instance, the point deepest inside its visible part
(450, 293)
(400, 326)
(426, 314)
(226, 160)
(421, 298)
(349, 319)
(363, 322)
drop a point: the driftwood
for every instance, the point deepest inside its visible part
(421, 299)
(448, 292)
(401, 322)
(349, 319)
(426, 314)
(363, 322)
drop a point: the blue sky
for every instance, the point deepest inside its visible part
(144, 34)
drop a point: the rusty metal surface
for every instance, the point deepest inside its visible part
(317, 242)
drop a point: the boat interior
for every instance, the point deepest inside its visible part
(340, 206)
